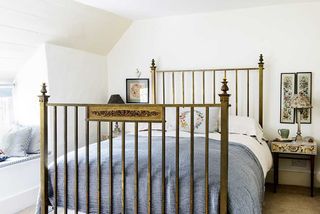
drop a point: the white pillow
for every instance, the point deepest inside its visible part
(246, 126)
(199, 120)
(34, 146)
(16, 141)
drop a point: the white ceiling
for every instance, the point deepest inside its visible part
(144, 9)
(26, 24)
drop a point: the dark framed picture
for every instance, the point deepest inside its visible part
(304, 86)
(287, 87)
(137, 90)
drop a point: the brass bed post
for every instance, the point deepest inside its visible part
(153, 82)
(224, 99)
(43, 99)
(261, 68)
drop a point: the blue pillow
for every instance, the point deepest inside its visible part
(3, 157)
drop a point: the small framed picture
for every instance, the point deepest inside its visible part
(304, 86)
(288, 82)
(137, 90)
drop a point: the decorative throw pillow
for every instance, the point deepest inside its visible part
(3, 157)
(16, 142)
(34, 146)
(199, 120)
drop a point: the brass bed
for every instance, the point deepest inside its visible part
(150, 113)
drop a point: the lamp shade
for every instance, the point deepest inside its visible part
(115, 99)
(300, 101)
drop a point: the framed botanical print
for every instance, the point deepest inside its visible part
(287, 114)
(137, 90)
(304, 86)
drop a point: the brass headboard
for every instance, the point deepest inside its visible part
(155, 74)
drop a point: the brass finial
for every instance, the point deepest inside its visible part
(261, 59)
(43, 97)
(224, 87)
(44, 89)
(153, 64)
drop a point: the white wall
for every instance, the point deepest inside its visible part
(27, 88)
(75, 77)
(287, 35)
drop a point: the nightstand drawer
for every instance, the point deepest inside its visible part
(295, 148)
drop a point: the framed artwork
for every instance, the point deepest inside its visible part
(304, 86)
(287, 87)
(137, 90)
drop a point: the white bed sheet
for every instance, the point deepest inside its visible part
(260, 149)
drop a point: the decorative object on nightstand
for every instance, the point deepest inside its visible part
(284, 133)
(300, 102)
(293, 150)
(116, 99)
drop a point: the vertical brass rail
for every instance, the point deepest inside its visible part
(173, 90)
(248, 93)
(224, 99)
(191, 160)
(76, 178)
(43, 99)
(183, 99)
(149, 168)
(87, 129)
(163, 165)
(193, 96)
(110, 167)
(261, 64)
(163, 89)
(153, 82)
(177, 159)
(123, 151)
(207, 162)
(99, 165)
(237, 92)
(55, 156)
(65, 159)
(136, 165)
(203, 87)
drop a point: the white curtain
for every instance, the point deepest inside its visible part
(6, 108)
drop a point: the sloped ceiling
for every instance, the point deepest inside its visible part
(26, 24)
(145, 9)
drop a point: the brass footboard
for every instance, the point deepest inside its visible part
(130, 114)
(135, 114)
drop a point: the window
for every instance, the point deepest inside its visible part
(6, 107)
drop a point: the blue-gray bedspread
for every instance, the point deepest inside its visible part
(246, 180)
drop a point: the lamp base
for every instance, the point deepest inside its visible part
(299, 138)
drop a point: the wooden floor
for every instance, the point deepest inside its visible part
(288, 200)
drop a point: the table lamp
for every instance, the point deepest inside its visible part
(116, 99)
(300, 102)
